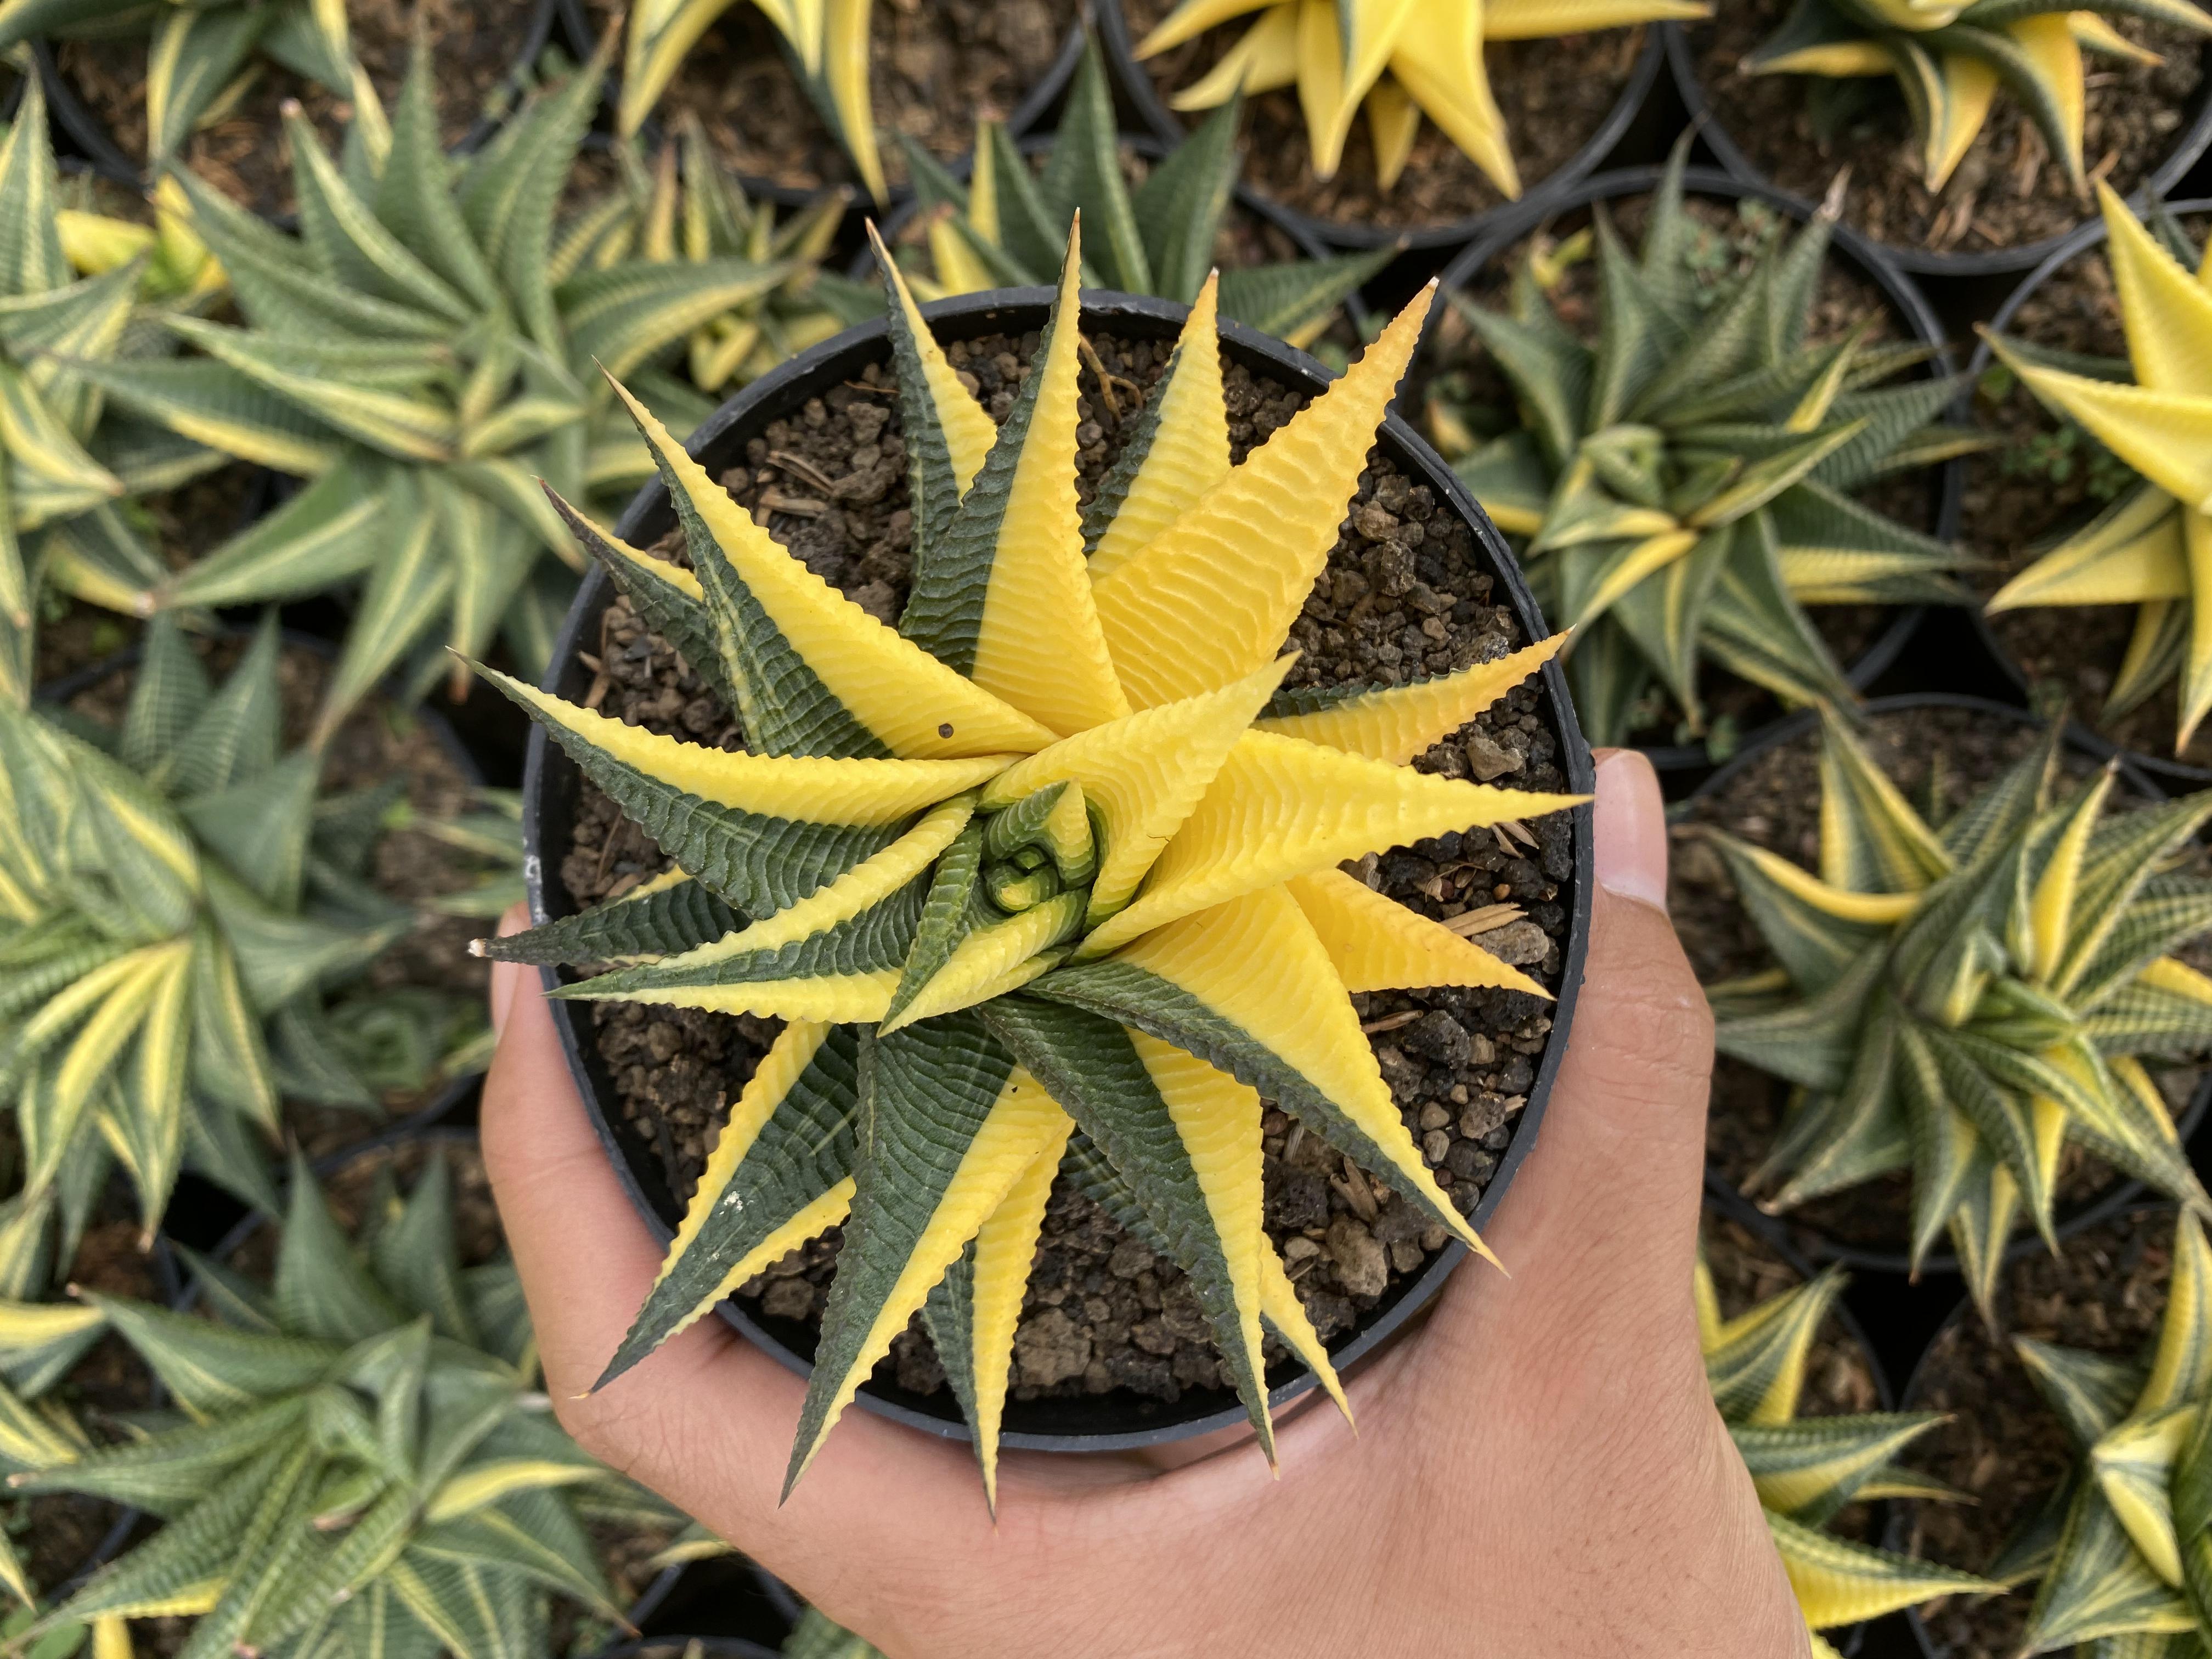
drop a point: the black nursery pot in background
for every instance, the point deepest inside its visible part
(551, 784)
(1860, 257)
(2190, 144)
(1793, 1233)
(1136, 82)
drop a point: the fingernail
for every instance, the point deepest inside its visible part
(1631, 828)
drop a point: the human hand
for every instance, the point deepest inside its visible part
(1539, 1474)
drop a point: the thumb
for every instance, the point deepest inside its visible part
(1606, 1211)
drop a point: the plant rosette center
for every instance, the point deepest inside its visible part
(1046, 880)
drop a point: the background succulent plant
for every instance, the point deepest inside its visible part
(1950, 57)
(1398, 59)
(828, 43)
(2144, 549)
(1808, 1469)
(1684, 482)
(687, 206)
(69, 463)
(1063, 775)
(1964, 999)
(178, 896)
(409, 354)
(2121, 1547)
(197, 55)
(361, 1461)
(1006, 226)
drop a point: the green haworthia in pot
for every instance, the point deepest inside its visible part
(1044, 880)
(1963, 998)
(409, 352)
(181, 904)
(363, 1460)
(1005, 226)
(1689, 478)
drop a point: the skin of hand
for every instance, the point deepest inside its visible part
(1539, 1471)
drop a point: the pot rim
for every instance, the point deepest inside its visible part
(2081, 239)
(1809, 1241)
(2189, 146)
(1355, 235)
(1898, 290)
(981, 313)
(106, 157)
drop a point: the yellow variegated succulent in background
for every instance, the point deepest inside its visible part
(1965, 999)
(827, 39)
(1397, 59)
(1951, 58)
(2123, 1549)
(1807, 1468)
(1067, 773)
(364, 1464)
(688, 207)
(2150, 548)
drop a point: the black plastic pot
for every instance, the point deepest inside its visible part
(1868, 260)
(2164, 768)
(1136, 83)
(688, 1647)
(1809, 1242)
(1036, 105)
(92, 139)
(550, 788)
(1682, 60)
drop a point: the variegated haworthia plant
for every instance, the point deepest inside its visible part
(69, 462)
(1397, 59)
(1951, 58)
(177, 902)
(2124, 1546)
(361, 1461)
(198, 56)
(826, 40)
(1808, 1469)
(1006, 226)
(2145, 548)
(1965, 999)
(409, 353)
(688, 207)
(1068, 773)
(1687, 481)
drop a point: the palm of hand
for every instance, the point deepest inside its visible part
(1539, 1471)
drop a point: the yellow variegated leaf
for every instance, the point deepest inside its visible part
(1376, 944)
(1396, 723)
(1189, 454)
(1212, 597)
(1323, 806)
